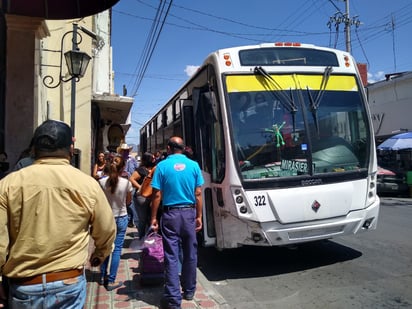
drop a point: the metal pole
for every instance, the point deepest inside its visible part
(73, 81)
(73, 96)
(347, 27)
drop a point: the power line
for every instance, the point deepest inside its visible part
(360, 43)
(151, 43)
(289, 21)
(384, 25)
(154, 76)
(243, 35)
(369, 32)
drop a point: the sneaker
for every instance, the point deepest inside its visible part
(188, 296)
(113, 285)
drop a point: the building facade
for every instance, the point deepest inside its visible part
(35, 85)
(390, 103)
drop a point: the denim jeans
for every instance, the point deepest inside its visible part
(67, 294)
(121, 224)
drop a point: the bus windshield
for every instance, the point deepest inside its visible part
(294, 126)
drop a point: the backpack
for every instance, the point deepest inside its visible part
(152, 259)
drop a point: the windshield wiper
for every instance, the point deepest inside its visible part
(284, 100)
(288, 103)
(314, 103)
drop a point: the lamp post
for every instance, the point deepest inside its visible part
(77, 62)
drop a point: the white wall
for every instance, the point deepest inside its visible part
(102, 55)
(390, 103)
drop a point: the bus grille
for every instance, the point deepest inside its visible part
(324, 231)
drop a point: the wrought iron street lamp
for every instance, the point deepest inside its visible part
(76, 61)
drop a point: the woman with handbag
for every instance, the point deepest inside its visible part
(141, 179)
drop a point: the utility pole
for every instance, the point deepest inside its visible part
(347, 27)
(339, 18)
(393, 41)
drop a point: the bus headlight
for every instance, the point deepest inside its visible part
(239, 199)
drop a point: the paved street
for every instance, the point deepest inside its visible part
(366, 271)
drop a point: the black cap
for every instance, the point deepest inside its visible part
(52, 135)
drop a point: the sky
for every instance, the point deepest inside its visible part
(157, 45)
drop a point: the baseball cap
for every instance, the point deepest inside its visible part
(52, 135)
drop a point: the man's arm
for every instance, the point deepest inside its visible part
(134, 178)
(129, 198)
(3, 252)
(156, 198)
(94, 174)
(199, 207)
(103, 230)
(4, 244)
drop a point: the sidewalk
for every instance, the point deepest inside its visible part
(133, 295)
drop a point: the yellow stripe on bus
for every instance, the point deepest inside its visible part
(240, 83)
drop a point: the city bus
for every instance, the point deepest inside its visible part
(283, 135)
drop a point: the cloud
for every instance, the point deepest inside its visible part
(191, 69)
(375, 77)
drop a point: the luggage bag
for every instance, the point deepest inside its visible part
(151, 264)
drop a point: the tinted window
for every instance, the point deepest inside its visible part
(272, 140)
(287, 56)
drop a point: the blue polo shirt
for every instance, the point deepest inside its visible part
(177, 177)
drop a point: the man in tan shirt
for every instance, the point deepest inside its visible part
(47, 210)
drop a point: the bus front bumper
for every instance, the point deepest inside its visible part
(277, 234)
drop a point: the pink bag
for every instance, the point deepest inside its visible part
(152, 260)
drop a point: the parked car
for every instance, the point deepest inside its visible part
(391, 183)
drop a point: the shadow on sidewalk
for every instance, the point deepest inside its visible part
(133, 294)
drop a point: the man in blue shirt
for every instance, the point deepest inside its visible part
(177, 183)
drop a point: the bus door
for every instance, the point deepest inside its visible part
(205, 153)
(190, 136)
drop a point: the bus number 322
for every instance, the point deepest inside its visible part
(260, 200)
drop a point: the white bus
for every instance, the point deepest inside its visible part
(283, 135)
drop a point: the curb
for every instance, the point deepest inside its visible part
(211, 291)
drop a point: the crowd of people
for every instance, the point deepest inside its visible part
(49, 210)
(174, 209)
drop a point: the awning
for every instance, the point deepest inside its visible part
(113, 108)
(55, 9)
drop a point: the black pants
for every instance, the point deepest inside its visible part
(5, 283)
